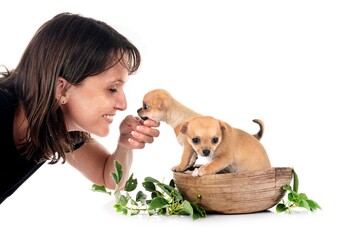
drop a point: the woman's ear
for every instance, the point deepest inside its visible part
(61, 90)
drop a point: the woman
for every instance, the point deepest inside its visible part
(68, 85)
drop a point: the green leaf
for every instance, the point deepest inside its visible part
(304, 204)
(198, 211)
(158, 202)
(302, 196)
(149, 186)
(186, 208)
(141, 197)
(292, 197)
(98, 188)
(281, 208)
(295, 181)
(166, 188)
(125, 211)
(119, 208)
(119, 170)
(150, 179)
(313, 205)
(122, 200)
(115, 178)
(131, 184)
(172, 183)
(287, 188)
(134, 212)
(154, 195)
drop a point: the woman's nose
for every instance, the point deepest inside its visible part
(120, 102)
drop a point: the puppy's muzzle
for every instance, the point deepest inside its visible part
(138, 111)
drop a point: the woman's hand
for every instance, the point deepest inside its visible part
(135, 133)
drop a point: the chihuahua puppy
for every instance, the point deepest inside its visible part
(228, 149)
(159, 105)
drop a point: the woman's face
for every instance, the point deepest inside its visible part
(91, 106)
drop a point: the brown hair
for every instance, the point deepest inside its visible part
(69, 46)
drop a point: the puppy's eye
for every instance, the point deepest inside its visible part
(145, 107)
(215, 140)
(196, 140)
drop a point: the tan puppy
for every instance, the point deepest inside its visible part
(229, 149)
(159, 105)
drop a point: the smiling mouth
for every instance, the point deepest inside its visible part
(109, 117)
(144, 118)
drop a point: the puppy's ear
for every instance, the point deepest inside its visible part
(161, 103)
(184, 128)
(223, 126)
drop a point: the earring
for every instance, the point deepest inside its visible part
(63, 101)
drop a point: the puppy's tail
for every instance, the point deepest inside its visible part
(261, 129)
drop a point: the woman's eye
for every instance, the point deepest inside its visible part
(113, 89)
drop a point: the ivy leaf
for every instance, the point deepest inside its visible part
(150, 179)
(119, 171)
(280, 208)
(140, 197)
(313, 205)
(158, 202)
(119, 208)
(98, 188)
(172, 183)
(115, 178)
(198, 211)
(304, 204)
(149, 186)
(186, 208)
(166, 188)
(131, 184)
(287, 188)
(122, 200)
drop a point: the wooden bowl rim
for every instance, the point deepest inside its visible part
(227, 175)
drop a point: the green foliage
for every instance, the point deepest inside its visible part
(296, 199)
(165, 199)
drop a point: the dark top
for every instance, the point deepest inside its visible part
(14, 169)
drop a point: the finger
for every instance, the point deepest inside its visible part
(140, 137)
(136, 144)
(148, 131)
(131, 120)
(151, 123)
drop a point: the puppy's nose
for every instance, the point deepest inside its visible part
(138, 111)
(206, 152)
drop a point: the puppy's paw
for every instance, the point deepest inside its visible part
(195, 173)
(198, 172)
(178, 168)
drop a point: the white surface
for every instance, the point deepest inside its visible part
(288, 63)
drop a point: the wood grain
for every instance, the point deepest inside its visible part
(233, 193)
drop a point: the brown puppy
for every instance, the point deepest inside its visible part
(159, 105)
(229, 149)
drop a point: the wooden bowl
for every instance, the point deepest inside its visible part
(233, 193)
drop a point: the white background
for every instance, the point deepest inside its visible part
(289, 63)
